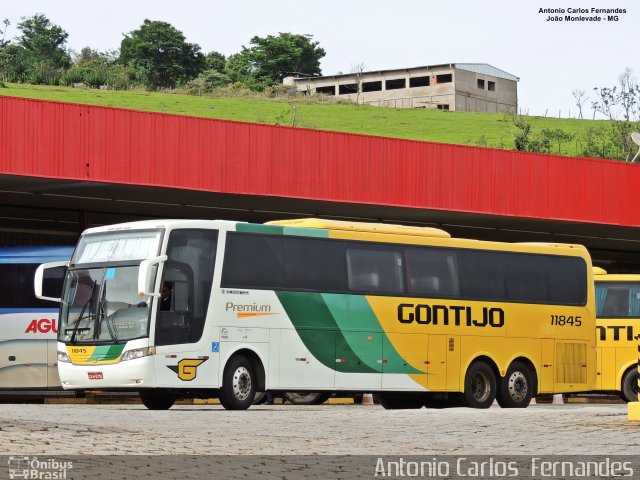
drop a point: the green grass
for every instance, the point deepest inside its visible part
(494, 130)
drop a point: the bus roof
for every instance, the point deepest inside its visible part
(616, 277)
(39, 254)
(362, 227)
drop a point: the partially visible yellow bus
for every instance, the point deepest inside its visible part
(618, 327)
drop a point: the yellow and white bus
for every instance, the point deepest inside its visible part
(312, 305)
(618, 328)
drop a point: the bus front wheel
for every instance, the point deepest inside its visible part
(517, 387)
(157, 400)
(479, 385)
(238, 384)
(630, 385)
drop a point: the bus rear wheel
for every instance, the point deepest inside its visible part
(630, 385)
(157, 400)
(400, 401)
(238, 384)
(517, 387)
(479, 385)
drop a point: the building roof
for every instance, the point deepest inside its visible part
(486, 69)
(482, 68)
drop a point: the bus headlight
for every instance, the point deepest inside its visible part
(63, 357)
(138, 353)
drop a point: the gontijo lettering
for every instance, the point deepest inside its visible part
(450, 315)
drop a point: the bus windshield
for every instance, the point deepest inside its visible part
(100, 301)
(102, 305)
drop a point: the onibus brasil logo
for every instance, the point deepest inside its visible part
(34, 468)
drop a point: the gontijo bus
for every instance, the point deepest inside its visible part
(618, 327)
(316, 305)
(28, 326)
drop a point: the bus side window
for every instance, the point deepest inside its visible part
(375, 270)
(189, 272)
(432, 272)
(616, 303)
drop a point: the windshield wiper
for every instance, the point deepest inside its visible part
(108, 319)
(80, 317)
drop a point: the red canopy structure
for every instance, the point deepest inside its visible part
(99, 164)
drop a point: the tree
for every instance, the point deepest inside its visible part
(271, 58)
(161, 55)
(4, 43)
(43, 43)
(606, 100)
(357, 69)
(629, 92)
(581, 98)
(215, 61)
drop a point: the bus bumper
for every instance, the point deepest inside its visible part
(634, 411)
(131, 374)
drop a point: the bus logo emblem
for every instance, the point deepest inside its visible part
(187, 368)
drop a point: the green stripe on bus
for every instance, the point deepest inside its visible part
(320, 333)
(106, 352)
(307, 232)
(353, 314)
(253, 228)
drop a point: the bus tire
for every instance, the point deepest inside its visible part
(315, 398)
(157, 400)
(630, 385)
(517, 387)
(238, 384)
(479, 385)
(400, 401)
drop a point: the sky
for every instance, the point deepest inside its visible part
(552, 59)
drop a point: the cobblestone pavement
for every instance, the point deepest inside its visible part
(326, 429)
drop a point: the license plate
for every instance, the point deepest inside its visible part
(95, 375)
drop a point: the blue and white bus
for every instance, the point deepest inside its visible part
(28, 326)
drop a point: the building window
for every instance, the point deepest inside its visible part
(418, 82)
(444, 78)
(480, 84)
(443, 106)
(372, 86)
(348, 88)
(395, 84)
(491, 86)
(331, 90)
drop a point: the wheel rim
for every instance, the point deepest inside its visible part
(518, 386)
(480, 387)
(241, 383)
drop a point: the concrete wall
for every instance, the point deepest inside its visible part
(470, 98)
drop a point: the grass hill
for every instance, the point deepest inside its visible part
(492, 130)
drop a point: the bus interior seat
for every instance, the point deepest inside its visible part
(425, 285)
(365, 281)
(113, 307)
(616, 305)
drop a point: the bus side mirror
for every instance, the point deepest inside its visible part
(38, 279)
(144, 276)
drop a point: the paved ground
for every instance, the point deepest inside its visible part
(325, 429)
